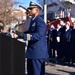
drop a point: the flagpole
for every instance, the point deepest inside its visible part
(45, 11)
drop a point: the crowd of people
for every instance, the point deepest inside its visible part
(61, 41)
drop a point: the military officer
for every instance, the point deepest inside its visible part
(37, 51)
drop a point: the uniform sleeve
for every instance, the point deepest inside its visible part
(38, 34)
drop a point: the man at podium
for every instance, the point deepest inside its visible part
(37, 51)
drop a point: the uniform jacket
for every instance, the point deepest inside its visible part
(73, 36)
(62, 32)
(37, 47)
(67, 35)
(54, 35)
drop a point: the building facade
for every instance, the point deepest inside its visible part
(60, 8)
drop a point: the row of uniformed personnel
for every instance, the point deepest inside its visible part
(62, 40)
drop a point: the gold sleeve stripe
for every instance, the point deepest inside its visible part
(28, 36)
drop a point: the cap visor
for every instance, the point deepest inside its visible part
(31, 7)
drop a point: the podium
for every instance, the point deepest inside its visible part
(12, 56)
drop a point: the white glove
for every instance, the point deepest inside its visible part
(58, 39)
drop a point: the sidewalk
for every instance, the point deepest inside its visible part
(58, 69)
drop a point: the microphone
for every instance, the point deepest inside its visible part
(22, 7)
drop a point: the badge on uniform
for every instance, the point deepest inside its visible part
(33, 24)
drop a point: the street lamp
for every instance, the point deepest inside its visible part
(45, 11)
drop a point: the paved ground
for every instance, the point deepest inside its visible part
(59, 69)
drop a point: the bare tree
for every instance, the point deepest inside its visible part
(6, 10)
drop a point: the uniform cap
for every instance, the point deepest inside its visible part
(35, 5)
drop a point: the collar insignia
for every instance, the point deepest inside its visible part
(33, 24)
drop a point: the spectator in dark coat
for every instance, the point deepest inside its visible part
(62, 32)
(52, 36)
(73, 43)
(66, 43)
(58, 42)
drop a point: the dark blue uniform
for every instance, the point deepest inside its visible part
(73, 45)
(52, 36)
(49, 40)
(58, 45)
(62, 32)
(37, 52)
(66, 45)
(37, 48)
